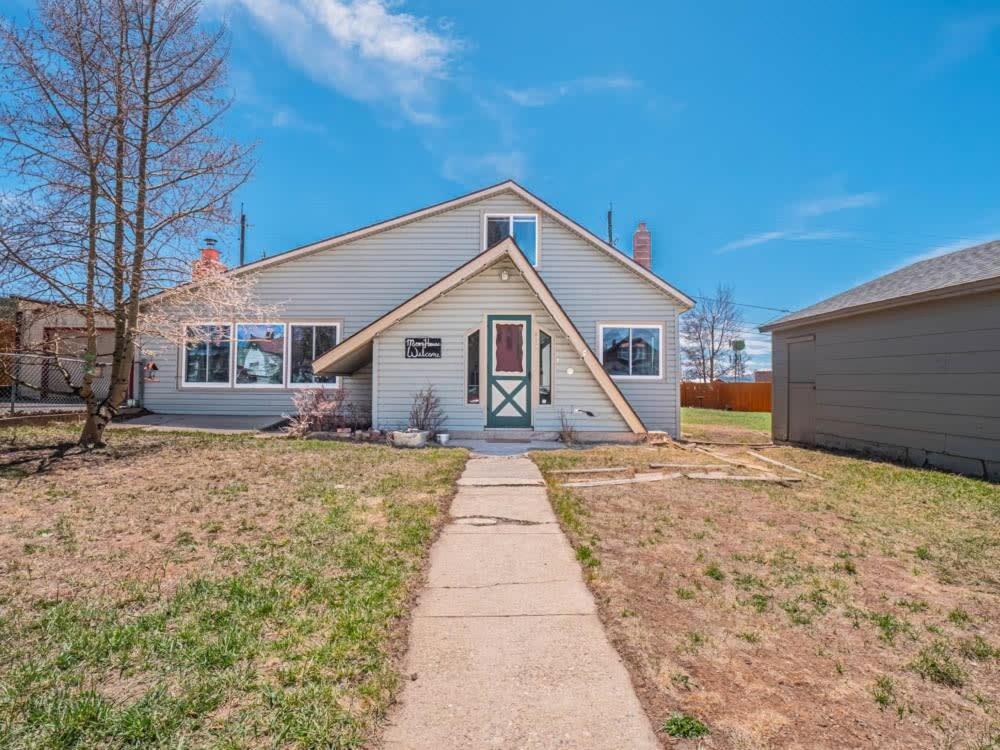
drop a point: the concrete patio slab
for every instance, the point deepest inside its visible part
(506, 649)
(214, 423)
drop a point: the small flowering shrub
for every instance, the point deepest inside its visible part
(317, 410)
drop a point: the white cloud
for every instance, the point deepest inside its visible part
(963, 38)
(366, 49)
(489, 167)
(287, 118)
(782, 234)
(542, 95)
(832, 204)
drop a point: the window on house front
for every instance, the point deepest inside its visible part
(544, 368)
(631, 351)
(472, 369)
(207, 354)
(522, 227)
(260, 354)
(307, 342)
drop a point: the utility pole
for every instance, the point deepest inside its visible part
(611, 235)
(243, 235)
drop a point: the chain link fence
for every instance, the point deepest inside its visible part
(39, 383)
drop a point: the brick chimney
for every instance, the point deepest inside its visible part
(642, 246)
(209, 263)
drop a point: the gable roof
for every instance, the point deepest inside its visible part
(970, 270)
(477, 195)
(356, 350)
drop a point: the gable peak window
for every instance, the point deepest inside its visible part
(523, 228)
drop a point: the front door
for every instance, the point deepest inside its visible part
(508, 373)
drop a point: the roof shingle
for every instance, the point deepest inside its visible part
(972, 264)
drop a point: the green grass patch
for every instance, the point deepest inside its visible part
(935, 663)
(685, 727)
(747, 420)
(884, 692)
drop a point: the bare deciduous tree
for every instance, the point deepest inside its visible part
(707, 332)
(109, 126)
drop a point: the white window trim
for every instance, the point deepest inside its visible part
(465, 362)
(259, 386)
(552, 368)
(511, 218)
(630, 325)
(184, 353)
(288, 352)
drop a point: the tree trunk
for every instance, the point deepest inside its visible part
(92, 435)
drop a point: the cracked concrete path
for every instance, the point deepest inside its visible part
(506, 650)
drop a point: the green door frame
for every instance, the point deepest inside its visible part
(511, 385)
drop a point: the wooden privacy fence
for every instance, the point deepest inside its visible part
(732, 396)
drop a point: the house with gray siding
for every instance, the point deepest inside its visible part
(906, 366)
(520, 318)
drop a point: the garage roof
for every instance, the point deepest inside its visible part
(964, 271)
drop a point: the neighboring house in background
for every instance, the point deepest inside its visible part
(906, 366)
(762, 376)
(54, 327)
(40, 329)
(516, 315)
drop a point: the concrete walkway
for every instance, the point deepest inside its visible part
(506, 650)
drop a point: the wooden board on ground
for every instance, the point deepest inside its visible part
(770, 460)
(637, 479)
(688, 466)
(599, 470)
(745, 478)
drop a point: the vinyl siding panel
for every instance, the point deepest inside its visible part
(920, 382)
(594, 289)
(358, 282)
(452, 317)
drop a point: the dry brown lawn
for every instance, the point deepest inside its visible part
(861, 611)
(207, 591)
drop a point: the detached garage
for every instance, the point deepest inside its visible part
(906, 366)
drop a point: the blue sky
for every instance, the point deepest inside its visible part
(790, 150)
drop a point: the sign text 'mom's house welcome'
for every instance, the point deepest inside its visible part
(422, 347)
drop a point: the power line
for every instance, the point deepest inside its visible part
(745, 304)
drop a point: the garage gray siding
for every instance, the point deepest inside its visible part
(918, 383)
(452, 317)
(358, 282)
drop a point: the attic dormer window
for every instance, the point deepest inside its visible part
(522, 227)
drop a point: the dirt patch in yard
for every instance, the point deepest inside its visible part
(860, 611)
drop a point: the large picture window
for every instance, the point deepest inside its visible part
(307, 342)
(631, 351)
(260, 354)
(207, 354)
(522, 227)
(544, 368)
